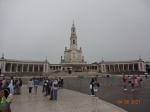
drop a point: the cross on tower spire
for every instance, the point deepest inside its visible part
(73, 26)
(2, 56)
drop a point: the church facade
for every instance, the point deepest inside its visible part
(73, 60)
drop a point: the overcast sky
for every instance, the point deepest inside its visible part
(113, 29)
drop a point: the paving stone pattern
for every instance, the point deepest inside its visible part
(68, 101)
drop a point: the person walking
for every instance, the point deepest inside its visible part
(133, 82)
(62, 82)
(136, 84)
(44, 85)
(146, 76)
(19, 85)
(129, 80)
(55, 88)
(59, 82)
(96, 86)
(139, 80)
(16, 84)
(30, 85)
(47, 87)
(36, 83)
(124, 82)
(11, 87)
(51, 89)
(3, 82)
(92, 86)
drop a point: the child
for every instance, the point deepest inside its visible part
(124, 82)
(133, 82)
(136, 84)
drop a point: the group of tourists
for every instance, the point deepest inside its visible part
(134, 81)
(94, 85)
(50, 86)
(34, 82)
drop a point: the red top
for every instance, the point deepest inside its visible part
(133, 79)
(124, 79)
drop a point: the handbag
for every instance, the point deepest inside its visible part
(9, 98)
(90, 86)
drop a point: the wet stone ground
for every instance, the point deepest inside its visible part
(68, 101)
(111, 90)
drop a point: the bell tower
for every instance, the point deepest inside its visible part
(73, 38)
(73, 55)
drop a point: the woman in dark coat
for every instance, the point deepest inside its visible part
(92, 85)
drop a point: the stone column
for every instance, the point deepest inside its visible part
(22, 67)
(3, 66)
(11, 67)
(28, 68)
(47, 68)
(33, 68)
(61, 68)
(114, 68)
(123, 67)
(118, 68)
(38, 68)
(17, 67)
(133, 68)
(44, 68)
(128, 67)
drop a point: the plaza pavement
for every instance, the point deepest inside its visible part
(68, 101)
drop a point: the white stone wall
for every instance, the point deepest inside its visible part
(79, 56)
(67, 56)
(2, 66)
(141, 66)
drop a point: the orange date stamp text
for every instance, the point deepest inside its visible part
(128, 102)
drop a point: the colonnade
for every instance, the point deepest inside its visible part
(122, 67)
(55, 67)
(79, 68)
(26, 67)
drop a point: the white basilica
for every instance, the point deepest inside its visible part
(72, 61)
(73, 58)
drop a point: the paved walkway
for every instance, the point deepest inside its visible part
(68, 101)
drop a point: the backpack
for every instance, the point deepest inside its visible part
(45, 83)
(98, 85)
(20, 83)
(0, 83)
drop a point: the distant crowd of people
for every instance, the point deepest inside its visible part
(134, 81)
